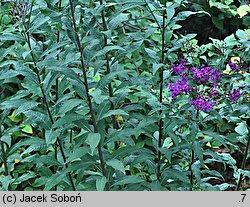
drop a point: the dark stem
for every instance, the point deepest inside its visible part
(27, 36)
(91, 111)
(243, 164)
(56, 87)
(161, 93)
(190, 168)
(192, 153)
(71, 136)
(110, 89)
(133, 26)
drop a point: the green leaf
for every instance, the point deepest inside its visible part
(25, 177)
(93, 140)
(55, 179)
(38, 22)
(69, 105)
(67, 119)
(27, 105)
(197, 172)
(84, 125)
(26, 128)
(117, 20)
(243, 10)
(39, 118)
(130, 179)
(114, 112)
(97, 96)
(153, 55)
(77, 154)
(116, 164)
(51, 136)
(242, 129)
(5, 182)
(100, 183)
(198, 151)
(219, 5)
(107, 49)
(241, 34)
(219, 138)
(176, 175)
(170, 10)
(10, 36)
(156, 66)
(218, 22)
(185, 14)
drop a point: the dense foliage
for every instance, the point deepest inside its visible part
(124, 95)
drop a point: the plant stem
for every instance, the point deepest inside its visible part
(110, 89)
(57, 84)
(27, 36)
(192, 153)
(190, 168)
(161, 94)
(152, 13)
(91, 111)
(243, 164)
(58, 40)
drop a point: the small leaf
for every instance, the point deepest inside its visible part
(51, 136)
(117, 20)
(93, 140)
(177, 175)
(243, 10)
(108, 49)
(170, 10)
(117, 165)
(78, 153)
(69, 105)
(130, 179)
(100, 183)
(26, 106)
(114, 112)
(242, 129)
(25, 177)
(39, 118)
(26, 128)
(39, 21)
(97, 96)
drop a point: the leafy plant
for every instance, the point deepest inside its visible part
(109, 95)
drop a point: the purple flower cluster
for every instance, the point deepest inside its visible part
(180, 87)
(19, 9)
(206, 75)
(235, 95)
(233, 66)
(207, 79)
(179, 68)
(214, 92)
(200, 103)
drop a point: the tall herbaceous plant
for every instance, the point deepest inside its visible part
(116, 95)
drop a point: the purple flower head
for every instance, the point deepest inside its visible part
(235, 95)
(180, 87)
(200, 103)
(179, 68)
(214, 92)
(174, 90)
(206, 75)
(233, 66)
